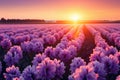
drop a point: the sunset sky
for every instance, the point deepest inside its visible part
(60, 9)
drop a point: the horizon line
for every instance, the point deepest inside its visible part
(59, 19)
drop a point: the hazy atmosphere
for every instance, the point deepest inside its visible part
(60, 9)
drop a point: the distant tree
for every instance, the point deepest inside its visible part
(3, 19)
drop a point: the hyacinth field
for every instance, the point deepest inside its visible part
(60, 52)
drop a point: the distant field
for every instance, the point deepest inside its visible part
(59, 51)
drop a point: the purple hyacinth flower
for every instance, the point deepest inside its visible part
(11, 72)
(84, 73)
(76, 63)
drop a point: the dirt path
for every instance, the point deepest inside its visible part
(88, 45)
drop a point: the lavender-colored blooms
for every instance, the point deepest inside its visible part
(99, 50)
(18, 40)
(6, 44)
(52, 40)
(37, 40)
(99, 69)
(38, 59)
(73, 51)
(32, 36)
(49, 52)
(97, 57)
(33, 46)
(1, 37)
(75, 43)
(56, 52)
(92, 30)
(76, 63)
(46, 69)
(118, 77)
(102, 44)
(29, 73)
(13, 55)
(60, 69)
(84, 73)
(57, 36)
(111, 64)
(65, 55)
(111, 50)
(26, 38)
(50, 69)
(12, 39)
(61, 45)
(70, 36)
(49, 39)
(118, 56)
(113, 36)
(27, 47)
(64, 40)
(11, 72)
(38, 47)
(117, 41)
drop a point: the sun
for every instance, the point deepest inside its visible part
(75, 18)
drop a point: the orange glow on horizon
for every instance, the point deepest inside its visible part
(75, 18)
(60, 9)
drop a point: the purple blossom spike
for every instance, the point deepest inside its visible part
(84, 73)
(96, 56)
(27, 47)
(6, 44)
(49, 52)
(111, 50)
(118, 56)
(13, 55)
(11, 72)
(98, 69)
(56, 52)
(60, 69)
(73, 51)
(111, 64)
(46, 69)
(29, 73)
(38, 47)
(65, 55)
(76, 63)
(1, 37)
(38, 59)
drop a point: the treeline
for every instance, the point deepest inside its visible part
(21, 21)
(42, 21)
